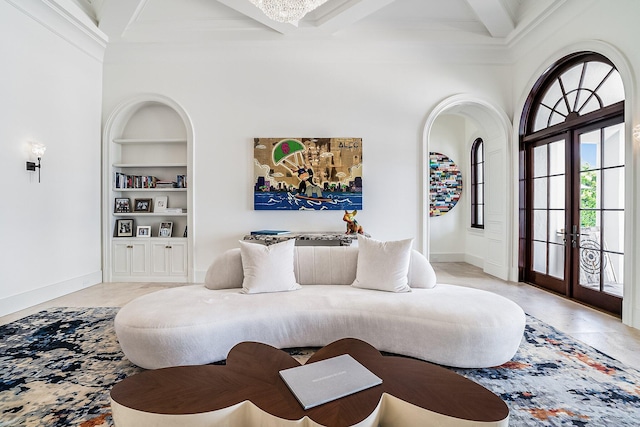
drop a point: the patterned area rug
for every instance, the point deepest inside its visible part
(58, 366)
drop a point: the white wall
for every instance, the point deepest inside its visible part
(448, 232)
(51, 93)
(236, 91)
(610, 28)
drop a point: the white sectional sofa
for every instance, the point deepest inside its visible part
(324, 295)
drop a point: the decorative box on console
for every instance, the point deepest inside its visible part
(326, 238)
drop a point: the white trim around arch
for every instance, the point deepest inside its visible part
(498, 229)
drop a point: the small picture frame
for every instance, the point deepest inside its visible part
(142, 205)
(122, 205)
(143, 231)
(124, 228)
(160, 204)
(166, 229)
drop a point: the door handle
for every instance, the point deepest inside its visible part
(574, 236)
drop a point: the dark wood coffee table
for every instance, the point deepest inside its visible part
(249, 389)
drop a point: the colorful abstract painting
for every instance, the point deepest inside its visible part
(307, 173)
(445, 184)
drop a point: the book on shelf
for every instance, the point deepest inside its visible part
(173, 210)
(270, 232)
(122, 180)
(181, 181)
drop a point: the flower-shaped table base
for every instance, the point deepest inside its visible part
(249, 391)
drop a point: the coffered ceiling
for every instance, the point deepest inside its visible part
(453, 21)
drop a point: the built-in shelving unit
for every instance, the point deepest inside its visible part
(147, 164)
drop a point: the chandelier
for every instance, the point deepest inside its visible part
(289, 11)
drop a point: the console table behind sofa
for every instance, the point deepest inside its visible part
(312, 238)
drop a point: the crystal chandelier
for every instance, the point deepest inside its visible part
(290, 11)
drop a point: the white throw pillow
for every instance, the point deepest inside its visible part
(268, 268)
(421, 273)
(383, 266)
(226, 271)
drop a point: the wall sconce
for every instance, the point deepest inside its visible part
(37, 149)
(636, 133)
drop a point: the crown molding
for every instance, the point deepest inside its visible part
(66, 20)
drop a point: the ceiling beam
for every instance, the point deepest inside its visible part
(117, 15)
(349, 13)
(330, 22)
(247, 8)
(494, 16)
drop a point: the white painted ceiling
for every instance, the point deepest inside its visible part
(453, 21)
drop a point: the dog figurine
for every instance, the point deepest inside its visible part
(352, 225)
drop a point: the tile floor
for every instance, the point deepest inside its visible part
(600, 330)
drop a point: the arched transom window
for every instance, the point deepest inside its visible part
(578, 90)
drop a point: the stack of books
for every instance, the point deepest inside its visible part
(270, 232)
(165, 184)
(122, 180)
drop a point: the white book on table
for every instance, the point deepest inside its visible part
(330, 379)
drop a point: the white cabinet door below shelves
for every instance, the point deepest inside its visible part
(169, 258)
(130, 258)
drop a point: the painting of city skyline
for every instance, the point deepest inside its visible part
(307, 173)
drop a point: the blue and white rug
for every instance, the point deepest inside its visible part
(57, 367)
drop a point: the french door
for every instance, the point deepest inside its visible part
(575, 213)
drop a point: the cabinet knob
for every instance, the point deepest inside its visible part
(129, 246)
(168, 247)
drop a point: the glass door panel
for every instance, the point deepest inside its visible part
(601, 217)
(548, 221)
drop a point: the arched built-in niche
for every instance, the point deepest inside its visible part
(482, 119)
(148, 135)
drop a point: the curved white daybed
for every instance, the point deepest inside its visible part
(445, 324)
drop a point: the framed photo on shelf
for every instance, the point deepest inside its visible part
(160, 204)
(124, 228)
(122, 204)
(166, 229)
(142, 205)
(143, 231)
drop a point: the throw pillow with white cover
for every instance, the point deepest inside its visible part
(226, 271)
(383, 266)
(268, 268)
(331, 265)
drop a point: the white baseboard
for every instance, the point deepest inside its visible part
(446, 257)
(634, 319)
(474, 260)
(498, 271)
(47, 293)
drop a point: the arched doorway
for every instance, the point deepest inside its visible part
(572, 140)
(488, 247)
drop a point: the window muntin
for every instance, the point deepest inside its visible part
(581, 89)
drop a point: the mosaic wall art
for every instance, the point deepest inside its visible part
(307, 173)
(445, 184)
